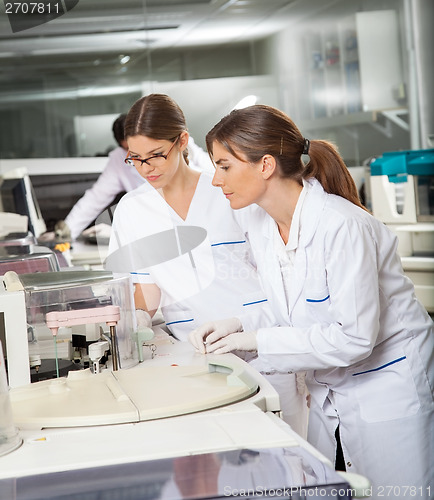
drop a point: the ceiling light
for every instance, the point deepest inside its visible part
(124, 59)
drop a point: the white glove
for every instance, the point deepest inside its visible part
(300, 380)
(102, 230)
(240, 341)
(213, 331)
(61, 231)
(143, 319)
(46, 237)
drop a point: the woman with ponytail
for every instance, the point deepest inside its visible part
(348, 316)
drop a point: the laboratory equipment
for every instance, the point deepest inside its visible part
(96, 351)
(402, 187)
(78, 305)
(141, 393)
(19, 249)
(159, 427)
(108, 314)
(9, 436)
(38, 260)
(11, 223)
(17, 243)
(287, 472)
(17, 196)
(402, 196)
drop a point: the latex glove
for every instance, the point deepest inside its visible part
(143, 319)
(213, 331)
(102, 230)
(61, 231)
(300, 380)
(240, 341)
(46, 237)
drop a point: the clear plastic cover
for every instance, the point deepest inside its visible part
(78, 291)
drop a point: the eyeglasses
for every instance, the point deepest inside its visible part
(152, 161)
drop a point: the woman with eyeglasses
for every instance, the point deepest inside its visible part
(180, 240)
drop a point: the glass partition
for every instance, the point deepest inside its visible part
(64, 81)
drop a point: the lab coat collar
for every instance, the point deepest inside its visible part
(294, 233)
(313, 205)
(315, 199)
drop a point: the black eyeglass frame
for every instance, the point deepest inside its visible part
(128, 159)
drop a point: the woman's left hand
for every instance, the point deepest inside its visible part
(213, 331)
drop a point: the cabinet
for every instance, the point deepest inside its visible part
(379, 59)
(353, 65)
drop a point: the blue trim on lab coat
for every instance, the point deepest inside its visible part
(318, 300)
(380, 367)
(180, 321)
(256, 302)
(228, 243)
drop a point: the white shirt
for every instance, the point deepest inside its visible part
(286, 253)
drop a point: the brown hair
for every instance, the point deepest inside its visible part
(118, 128)
(258, 130)
(156, 116)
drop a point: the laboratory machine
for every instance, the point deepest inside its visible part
(20, 224)
(99, 408)
(56, 322)
(402, 196)
(19, 252)
(10, 439)
(177, 425)
(17, 196)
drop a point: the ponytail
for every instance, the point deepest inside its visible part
(328, 167)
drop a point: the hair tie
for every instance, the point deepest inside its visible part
(306, 146)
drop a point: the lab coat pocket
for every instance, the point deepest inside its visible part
(180, 322)
(230, 250)
(253, 300)
(255, 311)
(318, 305)
(386, 392)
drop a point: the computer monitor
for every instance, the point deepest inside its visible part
(17, 196)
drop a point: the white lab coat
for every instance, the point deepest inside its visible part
(118, 177)
(213, 279)
(356, 325)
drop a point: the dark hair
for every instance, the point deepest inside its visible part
(118, 128)
(156, 116)
(258, 130)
